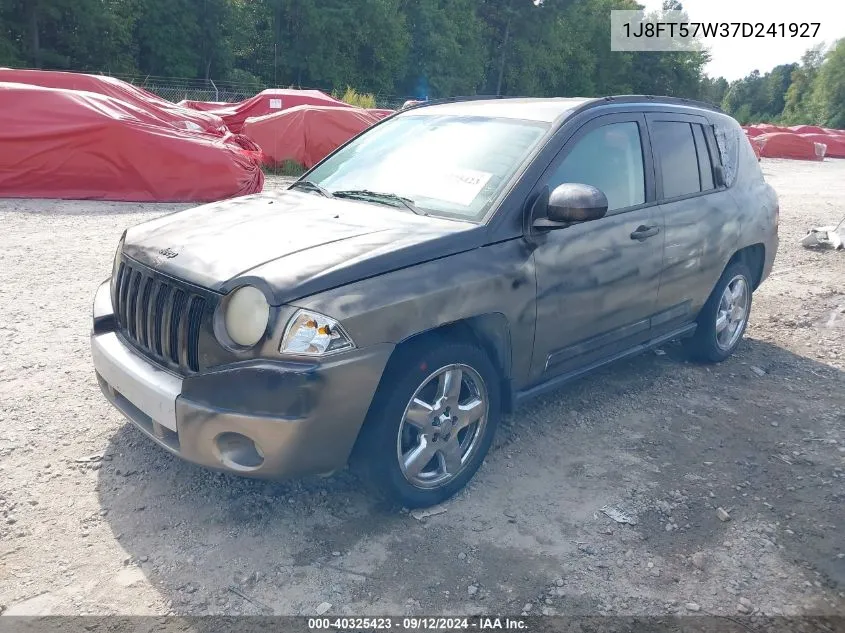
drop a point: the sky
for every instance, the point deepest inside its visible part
(736, 57)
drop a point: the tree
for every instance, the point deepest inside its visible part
(777, 82)
(760, 98)
(798, 104)
(167, 33)
(80, 34)
(829, 88)
(214, 20)
(674, 73)
(713, 90)
(426, 48)
(447, 48)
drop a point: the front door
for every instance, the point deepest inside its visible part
(597, 281)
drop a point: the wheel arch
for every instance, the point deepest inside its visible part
(753, 256)
(490, 332)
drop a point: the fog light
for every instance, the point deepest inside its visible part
(238, 452)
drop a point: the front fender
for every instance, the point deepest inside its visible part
(390, 308)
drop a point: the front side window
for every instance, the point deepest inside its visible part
(609, 158)
(448, 165)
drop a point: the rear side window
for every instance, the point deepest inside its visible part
(678, 159)
(705, 166)
(609, 158)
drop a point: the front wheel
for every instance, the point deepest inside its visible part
(431, 424)
(724, 317)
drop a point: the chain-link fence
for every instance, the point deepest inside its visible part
(177, 89)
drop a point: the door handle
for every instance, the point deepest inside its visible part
(644, 232)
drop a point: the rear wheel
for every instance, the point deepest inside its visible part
(723, 319)
(431, 425)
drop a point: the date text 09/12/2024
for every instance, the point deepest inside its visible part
(417, 623)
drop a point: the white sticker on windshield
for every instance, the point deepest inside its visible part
(459, 186)
(275, 104)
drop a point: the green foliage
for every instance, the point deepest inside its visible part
(403, 48)
(828, 96)
(713, 90)
(812, 92)
(287, 168)
(798, 106)
(758, 98)
(446, 48)
(355, 98)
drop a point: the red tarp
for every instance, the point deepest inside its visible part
(807, 129)
(307, 134)
(752, 130)
(768, 128)
(270, 101)
(381, 112)
(788, 145)
(204, 106)
(168, 113)
(835, 143)
(80, 145)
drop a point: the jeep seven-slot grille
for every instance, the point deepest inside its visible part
(160, 317)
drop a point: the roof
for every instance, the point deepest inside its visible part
(545, 110)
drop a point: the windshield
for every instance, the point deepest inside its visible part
(446, 165)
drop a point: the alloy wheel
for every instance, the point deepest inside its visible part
(442, 426)
(732, 313)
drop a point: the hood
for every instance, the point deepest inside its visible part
(296, 243)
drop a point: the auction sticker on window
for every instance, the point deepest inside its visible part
(458, 186)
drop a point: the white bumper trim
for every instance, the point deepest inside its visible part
(149, 388)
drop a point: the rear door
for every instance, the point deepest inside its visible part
(699, 217)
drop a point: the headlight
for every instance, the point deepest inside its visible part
(312, 334)
(247, 314)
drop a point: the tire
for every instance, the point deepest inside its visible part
(710, 344)
(421, 374)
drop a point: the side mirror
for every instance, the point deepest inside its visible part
(572, 202)
(719, 175)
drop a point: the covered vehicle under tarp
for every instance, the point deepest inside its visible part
(770, 128)
(270, 101)
(807, 129)
(835, 143)
(80, 145)
(307, 134)
(753, 130)
(168, 113)
(204, 106)
(788, 145)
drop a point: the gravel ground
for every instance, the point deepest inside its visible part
(95, 519)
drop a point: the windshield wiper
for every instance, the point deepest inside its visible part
(311, 186)
(383, 198)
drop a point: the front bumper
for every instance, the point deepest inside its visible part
(262, 418)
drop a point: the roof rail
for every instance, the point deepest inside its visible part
(423, 104)
(593, 101)
(655, 99)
